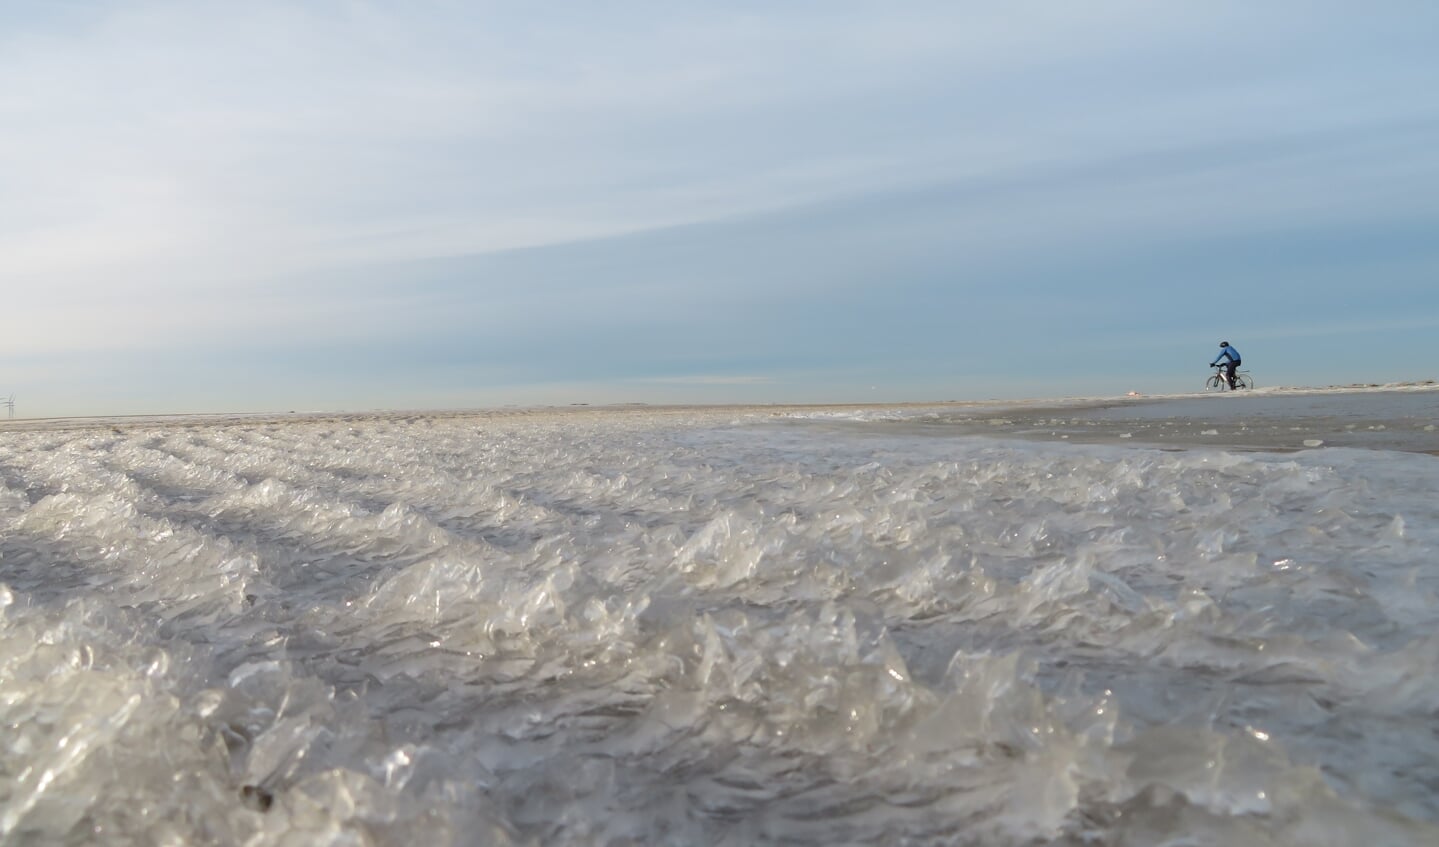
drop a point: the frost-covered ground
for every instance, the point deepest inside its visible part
(638, 626)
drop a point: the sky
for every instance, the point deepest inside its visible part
(351, 205)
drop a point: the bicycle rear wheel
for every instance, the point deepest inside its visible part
(1215, 383)
(1243, 381)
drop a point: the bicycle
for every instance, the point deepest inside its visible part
(1217, 382)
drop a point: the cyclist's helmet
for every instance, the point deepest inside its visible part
(1224, 344)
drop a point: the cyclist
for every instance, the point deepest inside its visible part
(1231, 361)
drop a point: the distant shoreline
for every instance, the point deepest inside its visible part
(993, 406)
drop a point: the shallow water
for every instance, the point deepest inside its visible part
(625, 627)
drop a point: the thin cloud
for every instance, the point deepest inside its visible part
(706, 379)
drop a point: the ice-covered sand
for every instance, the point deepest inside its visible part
(954, 624)
(1393, 417)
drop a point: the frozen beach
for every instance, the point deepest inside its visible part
(1130, 621)
(1397, 417)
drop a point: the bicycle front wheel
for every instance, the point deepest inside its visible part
(1243, 381)
(1215, 383)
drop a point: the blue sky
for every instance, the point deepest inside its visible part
(352, 205)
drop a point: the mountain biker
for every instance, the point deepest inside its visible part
(1231, 359)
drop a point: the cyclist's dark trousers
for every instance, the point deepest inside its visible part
(1229, 368)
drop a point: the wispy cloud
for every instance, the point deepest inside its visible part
(705, 379)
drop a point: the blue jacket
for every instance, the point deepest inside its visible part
(1227, 353)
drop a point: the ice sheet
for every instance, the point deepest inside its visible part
(723, 626)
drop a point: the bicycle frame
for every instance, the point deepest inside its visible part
(1218, 382)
